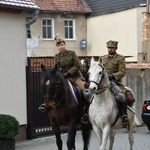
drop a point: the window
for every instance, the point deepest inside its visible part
(28, 28)
(69, 29)
(48, 28)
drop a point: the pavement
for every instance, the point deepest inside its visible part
(141, 141)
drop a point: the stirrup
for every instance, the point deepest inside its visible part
(42, 107)
(85, 119)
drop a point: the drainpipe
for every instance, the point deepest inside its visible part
(36, 14)
(148, 5)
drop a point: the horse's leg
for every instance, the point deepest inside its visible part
(112, 136)
(105, 134)
(58, 140)
(98, 133)
(57, 133)
(71, 135)
(86, 132)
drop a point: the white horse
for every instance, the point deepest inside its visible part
(103, 112)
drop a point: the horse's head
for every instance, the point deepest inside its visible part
(97, 75)
(50, 84)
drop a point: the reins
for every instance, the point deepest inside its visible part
(56, 100)
(100, 89)
(60, 101)
(57, 93)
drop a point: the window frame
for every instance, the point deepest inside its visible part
(73, 27)
(52, 29)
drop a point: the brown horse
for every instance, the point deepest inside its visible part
(63, 109)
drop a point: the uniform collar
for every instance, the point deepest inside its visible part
(112, 56)
(63, 53)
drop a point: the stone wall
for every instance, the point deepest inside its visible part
(145, 55)
(138, 79)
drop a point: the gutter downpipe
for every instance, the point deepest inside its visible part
(36, 14)
(148, 5)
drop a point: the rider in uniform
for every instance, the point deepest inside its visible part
(116, 69)
(69, 65)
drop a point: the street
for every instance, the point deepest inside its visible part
(141, 141)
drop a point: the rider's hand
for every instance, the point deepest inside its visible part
(111, 77)
(66, 75)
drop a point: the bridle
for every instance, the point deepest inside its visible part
(55, 100)
(101, 88)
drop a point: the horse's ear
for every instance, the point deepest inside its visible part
(43, 68)
(100, 60)
(55, 68)
(92, 60)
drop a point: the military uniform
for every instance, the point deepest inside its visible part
(67, 61)
(115, 65)
(116, 69)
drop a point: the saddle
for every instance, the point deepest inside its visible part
(129, 97)
(119, 96)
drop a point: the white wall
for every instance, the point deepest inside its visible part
(12, 64)
(124, 26)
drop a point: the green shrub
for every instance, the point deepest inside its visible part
(9, 126)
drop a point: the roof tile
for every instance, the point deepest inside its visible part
(78, 6)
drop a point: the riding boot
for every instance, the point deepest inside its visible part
(85, 117)
(86, 95)
(125, 120)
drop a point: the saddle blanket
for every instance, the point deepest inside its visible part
(74, 92)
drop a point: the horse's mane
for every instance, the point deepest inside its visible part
(105, 81)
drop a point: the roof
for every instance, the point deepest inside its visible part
(18, 4)
(75, 6)
(100, 7)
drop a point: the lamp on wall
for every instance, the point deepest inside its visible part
(83, 44)
(63, 15)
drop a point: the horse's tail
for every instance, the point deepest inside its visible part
(136, 121)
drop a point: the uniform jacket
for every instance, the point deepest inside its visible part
(67, 61)
(116, 65)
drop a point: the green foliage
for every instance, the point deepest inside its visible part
(9, 127)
